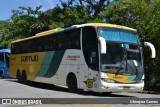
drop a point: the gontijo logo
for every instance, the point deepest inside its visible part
(29, 58)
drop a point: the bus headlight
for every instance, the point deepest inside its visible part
(107, 80)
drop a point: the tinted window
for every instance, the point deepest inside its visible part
(90, 47)
(1, 57)
(69, 39)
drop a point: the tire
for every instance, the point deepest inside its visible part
(72, 83)
(24, 77)
(19, 77)
(107, 93)
(1, 74)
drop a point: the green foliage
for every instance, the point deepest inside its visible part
(65, 17)
(24, 22)
(3, 25)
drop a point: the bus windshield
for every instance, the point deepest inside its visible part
(123, 55)
(114, 34)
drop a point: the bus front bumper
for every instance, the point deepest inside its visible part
(118, 87)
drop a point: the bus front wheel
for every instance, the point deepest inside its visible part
(72, 83)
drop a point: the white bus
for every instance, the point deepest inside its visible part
(96, 57)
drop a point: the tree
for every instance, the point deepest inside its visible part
(3, 24)
(67, 15)
(4, 33)
(28, 21)
(76, 12)
(25, 22)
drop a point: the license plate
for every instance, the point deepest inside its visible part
(126, 87)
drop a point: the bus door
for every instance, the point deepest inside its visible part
(90, 52)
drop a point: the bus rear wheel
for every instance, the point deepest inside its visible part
(24, 77)
(72, 83)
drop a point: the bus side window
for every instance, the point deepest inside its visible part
(72, 39)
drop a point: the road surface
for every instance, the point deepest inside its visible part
(33, 94)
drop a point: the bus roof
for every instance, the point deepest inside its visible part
(76, 26)
(113, 26)
(5, 50)
(106, 25)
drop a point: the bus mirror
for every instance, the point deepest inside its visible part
(153, 50)
(102, 45)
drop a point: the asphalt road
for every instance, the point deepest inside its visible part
(33, 94)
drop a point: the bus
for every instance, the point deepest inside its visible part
(96, 57)
(4, 63)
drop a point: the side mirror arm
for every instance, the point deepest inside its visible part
(153, 50)
(102, 45)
